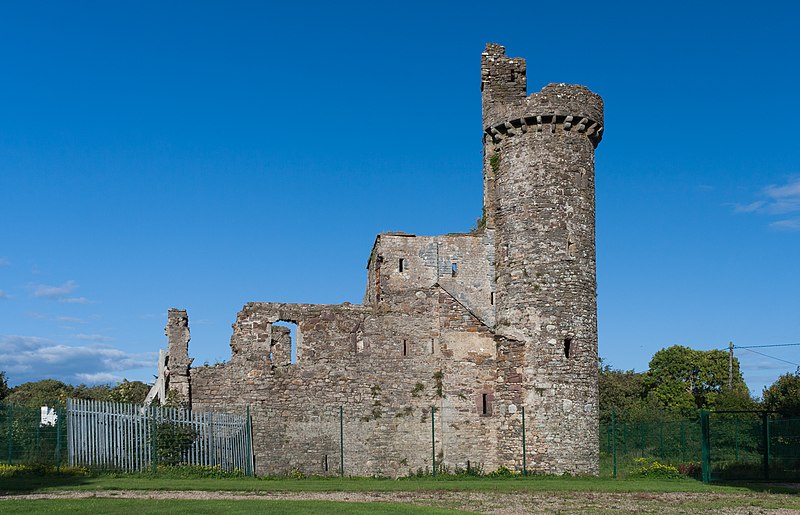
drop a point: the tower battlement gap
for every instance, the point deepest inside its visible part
(476, 325)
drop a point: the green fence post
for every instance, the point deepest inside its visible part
(683, 439)
(433, 440)
(341, 441)
(765, 428)
(705, 439)
(37, 450)
(614, 441)
(524, 451)
(250, 458)
(10, 420)
(58, 436)
(153, 448)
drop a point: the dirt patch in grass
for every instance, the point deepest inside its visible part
(499, 503)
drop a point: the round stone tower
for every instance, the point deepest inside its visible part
(540, 203)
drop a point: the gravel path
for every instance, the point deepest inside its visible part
(489, 502)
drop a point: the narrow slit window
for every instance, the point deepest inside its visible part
(491, 298)
(433, 345)
(571, 247)
(484, 404)
(405, 348)
(567, 347)
(402, 265)
(454, 269)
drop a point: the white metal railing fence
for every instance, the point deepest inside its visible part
(132, 437)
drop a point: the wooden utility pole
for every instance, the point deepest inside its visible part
(730, 366)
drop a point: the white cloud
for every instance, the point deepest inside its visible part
(30, 358)
(59, 293)
(792, 224)
(99, 377)
(93, 337)
(776, 200)
(75, 300)
(69, 320)
(54, 292)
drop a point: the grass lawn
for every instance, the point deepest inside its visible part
(106, 493)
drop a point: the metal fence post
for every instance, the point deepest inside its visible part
(153, 447)
(250, 459)
(341, 441)
(433, 439)
(524, 450)
(10, 421)
(765, 428)
(614, 441)
(705, 438)
(58, 436)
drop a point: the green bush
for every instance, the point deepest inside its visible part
(172, 442)
(652, 469)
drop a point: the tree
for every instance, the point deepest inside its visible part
(622, 392)
(98, 392)
(4, 390)
(783, 395)
(129, 391)
(46, 392)
(682, 380)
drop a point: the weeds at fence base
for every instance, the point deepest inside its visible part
(40, 470)
(650, 468)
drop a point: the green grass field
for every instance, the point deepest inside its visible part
(112, 494)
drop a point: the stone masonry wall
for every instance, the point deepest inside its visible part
(386, 394)
(477, 326)
(541, 155)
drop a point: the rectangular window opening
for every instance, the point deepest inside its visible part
(294, 336)
(433, 345)
(485, 406)
(405, 348)
(491, 298)
(567, 347)
(454, 269)
(402, 265)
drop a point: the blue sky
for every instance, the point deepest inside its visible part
(203, 155)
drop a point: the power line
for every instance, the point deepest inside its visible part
(764, 346)
(768, 356)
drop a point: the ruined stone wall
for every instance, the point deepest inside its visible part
(476, 325)
(541, 155)
(386, 385)
(178, 361)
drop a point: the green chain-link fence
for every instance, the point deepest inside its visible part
(32, 435)
(712, 446)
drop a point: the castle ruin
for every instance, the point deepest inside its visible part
(475, 325)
